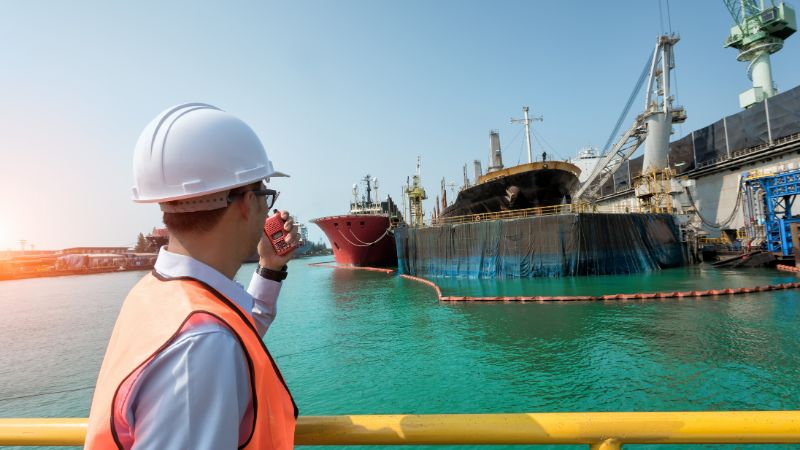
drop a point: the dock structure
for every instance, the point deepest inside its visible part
(710, 164)
(561, 244)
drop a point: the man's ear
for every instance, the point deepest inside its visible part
(243, 206)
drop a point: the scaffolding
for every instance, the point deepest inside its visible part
(770, 199)
(655, 190)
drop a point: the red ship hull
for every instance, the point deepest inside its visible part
(360, 240)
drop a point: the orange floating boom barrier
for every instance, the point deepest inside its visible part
(580, 298)
(333, 265)
(606, 297)
(786, 268)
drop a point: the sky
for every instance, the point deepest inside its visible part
(335, 90)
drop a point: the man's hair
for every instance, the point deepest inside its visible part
(201, 221)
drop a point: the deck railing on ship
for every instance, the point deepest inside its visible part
(572, 208)
(598, 430)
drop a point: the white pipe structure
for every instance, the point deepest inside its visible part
(495, 153)
(528, 134)
(761, 73)
(658, 112)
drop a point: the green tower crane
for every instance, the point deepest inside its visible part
(758, 32)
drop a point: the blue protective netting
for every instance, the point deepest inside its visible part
(564, 245)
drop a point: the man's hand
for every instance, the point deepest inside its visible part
(266, 254)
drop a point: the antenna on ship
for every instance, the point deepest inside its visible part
(375, 186)
(527, 122)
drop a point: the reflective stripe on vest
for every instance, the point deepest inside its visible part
(151, 317)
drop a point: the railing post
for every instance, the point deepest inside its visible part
(769, 127)
(608, 444)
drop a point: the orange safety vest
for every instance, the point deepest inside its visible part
(152, 316)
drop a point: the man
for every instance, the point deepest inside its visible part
(186, 367)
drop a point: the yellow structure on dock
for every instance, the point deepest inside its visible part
(416, 194)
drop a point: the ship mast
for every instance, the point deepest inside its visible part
(527, 122)
(367, 179)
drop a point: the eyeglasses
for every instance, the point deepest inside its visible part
(270, 194)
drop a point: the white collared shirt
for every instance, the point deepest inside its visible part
(196, 392)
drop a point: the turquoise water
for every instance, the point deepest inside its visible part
(698, 277)
(367, 343)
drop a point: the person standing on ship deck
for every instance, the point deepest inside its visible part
(186, 366)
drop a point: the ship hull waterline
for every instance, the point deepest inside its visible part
(360, 240)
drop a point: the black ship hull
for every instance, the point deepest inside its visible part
(527, 186)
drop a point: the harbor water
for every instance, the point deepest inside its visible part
(353, 342)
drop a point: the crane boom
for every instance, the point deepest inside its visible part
(612, 160)
(741, 9)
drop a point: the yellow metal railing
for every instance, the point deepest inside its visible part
(603, 430)
(572, 208)
(710, 240)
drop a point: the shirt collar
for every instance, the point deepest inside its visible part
(173, 265)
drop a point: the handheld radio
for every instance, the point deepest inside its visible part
(273, 228)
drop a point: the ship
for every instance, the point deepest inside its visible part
(531, 185)
(365, 236)
(524, 221)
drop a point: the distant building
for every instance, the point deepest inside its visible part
(302, 229)
(157, 238)
(95, 250)
(8, 254)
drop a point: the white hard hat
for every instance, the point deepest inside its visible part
(193, 150)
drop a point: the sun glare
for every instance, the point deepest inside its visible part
(4, 239)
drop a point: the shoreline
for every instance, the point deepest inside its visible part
(69, 272)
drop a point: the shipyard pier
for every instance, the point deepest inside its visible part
(735, 180)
